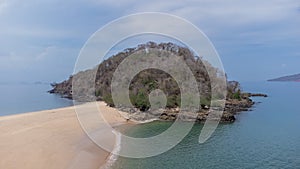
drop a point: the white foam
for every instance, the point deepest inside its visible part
(114, 154)
(144, 121)
(113, 157)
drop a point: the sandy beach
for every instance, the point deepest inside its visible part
(53, 139)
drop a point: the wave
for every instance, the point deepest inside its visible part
(113, 157)
(145, 121)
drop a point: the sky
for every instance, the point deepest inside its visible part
(40, 40)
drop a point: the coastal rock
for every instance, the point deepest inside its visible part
(255, 95)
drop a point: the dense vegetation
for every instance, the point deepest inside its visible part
(149, 80)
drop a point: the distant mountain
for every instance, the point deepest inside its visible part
(294, 78)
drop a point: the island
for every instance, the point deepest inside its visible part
(151, 79)
(290, 78)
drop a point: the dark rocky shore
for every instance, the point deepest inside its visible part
(232, 108)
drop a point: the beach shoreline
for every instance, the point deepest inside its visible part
(54, 139)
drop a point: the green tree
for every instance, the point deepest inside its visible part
(142, 101)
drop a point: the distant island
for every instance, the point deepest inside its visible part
(148, 80)
(290, 78)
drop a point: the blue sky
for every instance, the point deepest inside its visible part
(256, 40)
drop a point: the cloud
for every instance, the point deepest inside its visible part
(34, 32)
(3, 6)
(112, 4)
(267, 20)
(39, 32)
(233, 11)
(8, 61)
(45, 53)
(283, 65)
(39, 19)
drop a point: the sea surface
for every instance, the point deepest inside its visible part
(22, 98)
(266, 138)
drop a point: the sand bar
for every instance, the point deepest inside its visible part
(52, 139)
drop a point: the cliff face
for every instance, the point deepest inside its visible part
(148, 80)
(64, 88)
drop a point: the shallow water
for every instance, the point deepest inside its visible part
(267, 137)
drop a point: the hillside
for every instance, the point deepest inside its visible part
(148, 80)
(294, 78)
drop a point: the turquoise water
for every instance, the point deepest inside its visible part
(21, 98)
(266, 138)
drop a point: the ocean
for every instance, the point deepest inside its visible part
(22, 98)
(267, 137)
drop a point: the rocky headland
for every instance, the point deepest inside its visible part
(151, 79)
